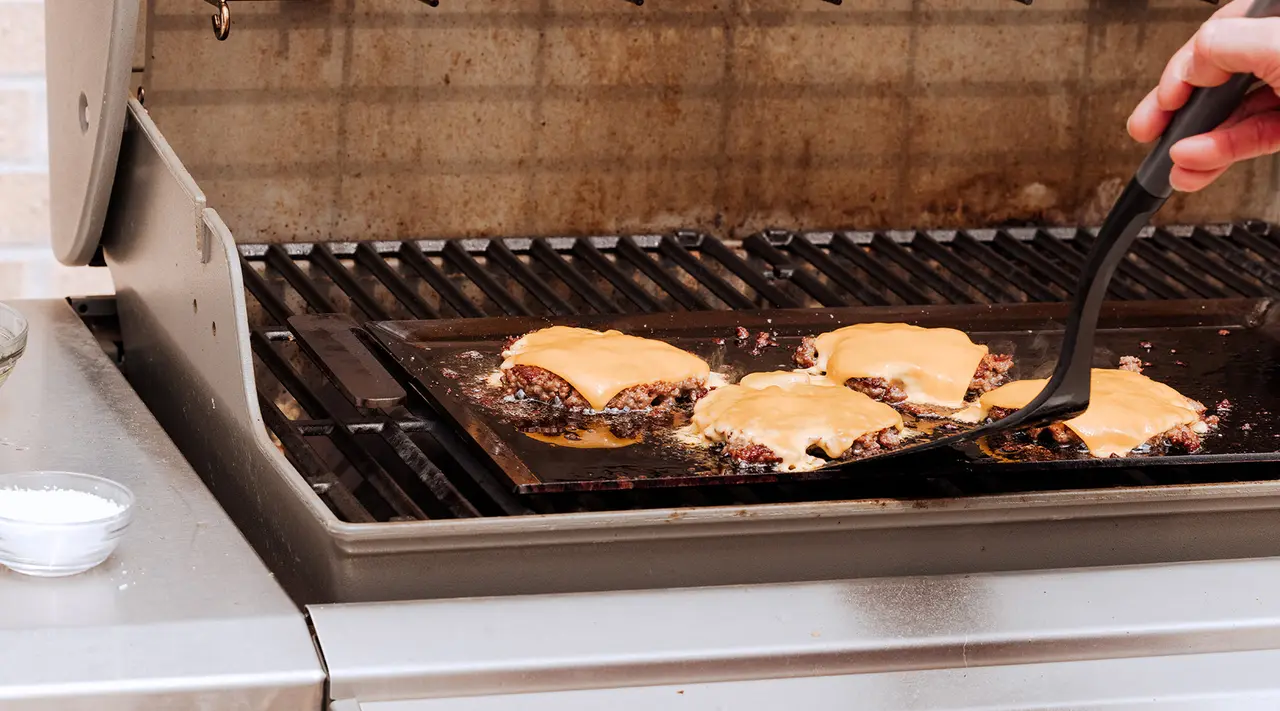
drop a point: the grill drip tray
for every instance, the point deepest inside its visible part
(1209, 350)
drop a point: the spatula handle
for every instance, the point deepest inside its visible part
(1207, 108)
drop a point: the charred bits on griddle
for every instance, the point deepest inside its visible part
(763, 340)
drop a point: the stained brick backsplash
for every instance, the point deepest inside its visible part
(390, 119)
(387, 118)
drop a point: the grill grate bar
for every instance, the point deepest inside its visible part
(752, 277)
(1204, 260)
(360, 459)
(302, 455)
(1148, 274)
(258, 288)
(843, 245)
(1036, 263)
(1179, 275)
(505, 258)
(367, 257)
(846, 278)
(964, 242)
(1267, 276)
(890, 249)
(279, 260)
(460, 258)
(322, 257)
(1119, 288)
(628, 249)
(1258, 246)
(782, 265)
(958, 267)
(588, 253)
(452, 295)
(564, 271)
(416, 466)
(674, 251)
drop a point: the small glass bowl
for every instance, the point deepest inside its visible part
(58, 549)
(13, 339)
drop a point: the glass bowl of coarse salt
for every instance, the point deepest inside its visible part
(13, 339)
(60, 523)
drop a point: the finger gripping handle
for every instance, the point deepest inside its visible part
(1204, 111)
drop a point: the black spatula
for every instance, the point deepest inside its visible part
(1067, 393)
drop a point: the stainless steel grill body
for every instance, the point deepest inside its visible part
(185, 324)
(554, 118)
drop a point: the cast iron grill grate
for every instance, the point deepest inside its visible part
(391, 465)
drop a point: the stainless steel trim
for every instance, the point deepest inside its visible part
(600, 640)
(1244, 681)
(183, 615)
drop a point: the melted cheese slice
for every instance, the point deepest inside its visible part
(586, 439)
(789, 416)
(784, 379)
(1126, 409)
(934, 365)
(599, 365)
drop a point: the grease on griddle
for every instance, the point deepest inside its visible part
(590, 438)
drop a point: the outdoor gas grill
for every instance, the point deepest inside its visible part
(336, 165)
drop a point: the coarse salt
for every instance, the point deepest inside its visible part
(55, 506)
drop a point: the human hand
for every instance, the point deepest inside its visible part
(1227, 44)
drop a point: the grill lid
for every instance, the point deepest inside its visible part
(89, 51)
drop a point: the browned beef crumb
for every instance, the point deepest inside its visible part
(540, 384)
(763, 340)
(1131, 363)
(992, 372)
(806, 355)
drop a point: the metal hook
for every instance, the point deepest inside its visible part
(222, 21)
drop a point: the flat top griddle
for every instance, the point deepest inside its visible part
(443, 361)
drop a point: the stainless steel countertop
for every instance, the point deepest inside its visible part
(184, 614)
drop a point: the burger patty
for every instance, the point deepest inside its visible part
(992, 372)
(1179, 439)
(560, 421)
(530, 381)
(866, 445)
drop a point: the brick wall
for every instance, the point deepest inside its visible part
(389, 119)
(27, 267)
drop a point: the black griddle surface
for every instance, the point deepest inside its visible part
(445, 361)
